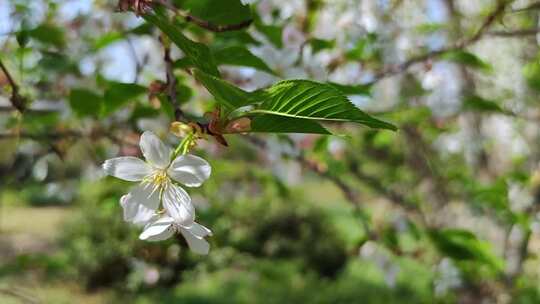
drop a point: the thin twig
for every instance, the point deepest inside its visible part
(419, 159)
(490, 19)
(532, 6)
(138, 64)
(514, 33)
(523, 253)
(171, 82)
(400, 68)
(27, 110)
(348, 192)
(218, 28)
(42, 136)
(51, 137)
(141, 7)
(16, 99)
(376, 185)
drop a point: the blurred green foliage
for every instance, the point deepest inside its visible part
(444, 210)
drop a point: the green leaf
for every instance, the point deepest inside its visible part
(320, 44)
(272, 32)
(365, 49)
(531, 71)
(479, 104)
(143, 111)
(282, 124)
(389, 237)
(143, 29)
(166, 106)
(352, 89)
(106, 39)
(183, 93)
(234, 55)
(22, 38)
(321, 144)
(183, 63)
(240, 56)
(48, 34)
(491, 197)
(462, 245)
(233, 38)
(228, 95)
(198, 53)
(220, 12)
(411, 88)
(467, 59)
(118, 94)
(311, 100)
(57, 62)
(85, 102)
(37, 122)
(429, 28)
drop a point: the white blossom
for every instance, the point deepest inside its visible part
(157, 176)
(166, 226)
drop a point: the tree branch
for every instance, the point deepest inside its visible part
(532, 6)
(418, 159)
(514, 33)
(400, 68)
(348, 192)
(218, 28)
(141, 7)
(138, 64)
(522, 252)
(4, 109)
(171, 82)
(16, 99)
(42, 136)
(376, 185)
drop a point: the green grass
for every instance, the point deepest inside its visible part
(25, 230)
(27, 242)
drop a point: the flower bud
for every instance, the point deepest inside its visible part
(180, 129)
(240, 125)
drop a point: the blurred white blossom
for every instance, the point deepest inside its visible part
(448, 277)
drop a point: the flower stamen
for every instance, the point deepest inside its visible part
(159, 180)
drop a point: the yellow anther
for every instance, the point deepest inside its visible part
(160, 178)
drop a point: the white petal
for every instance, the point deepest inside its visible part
(198, 230)
(127, 168)
(197, 245)
(154, 150)
(190, 170)
(178, 205)
(140, 204)
(135, 213)
(158, 230)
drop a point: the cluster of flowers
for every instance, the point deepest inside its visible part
(159, 178)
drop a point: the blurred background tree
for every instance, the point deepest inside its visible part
(444, 210)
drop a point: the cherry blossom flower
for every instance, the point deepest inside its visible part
(157, 176)
(166, 226)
